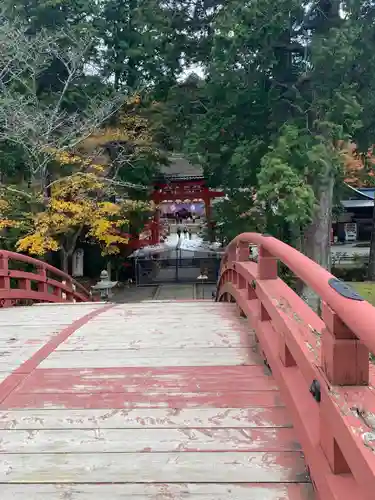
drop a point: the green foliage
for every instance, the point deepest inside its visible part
(282, 179)
(174, 116)
(280, 96)
(285, 84)
(148, 43)
(237, 214)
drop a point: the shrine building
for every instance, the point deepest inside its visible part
(181, 191)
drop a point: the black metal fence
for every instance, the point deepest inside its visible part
(176, 268)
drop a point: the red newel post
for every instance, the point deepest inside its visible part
(267, 265)
(243, 252)
(5, 280)
(42, 284)
(343, 364)
(4, 273)
(345, 359)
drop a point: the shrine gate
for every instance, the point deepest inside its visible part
(179, 182)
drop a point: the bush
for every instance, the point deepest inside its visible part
(350, 274)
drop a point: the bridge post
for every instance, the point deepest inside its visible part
(267, 265)
(4, 279)
(345, 359)
(42, 285)
(243, 252)
(330, 352)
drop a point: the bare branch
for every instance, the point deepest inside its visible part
(35, 123)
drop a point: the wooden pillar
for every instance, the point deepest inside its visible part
(5, 281)
(345, 359)
(157, 226)
(267, 265)
(155, 223)
(208, 211)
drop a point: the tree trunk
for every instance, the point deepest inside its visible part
(317, 241)
(64, 261)
(67, 249)
(109, 269)
(371, 263)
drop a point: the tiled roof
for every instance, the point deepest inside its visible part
(180, 168)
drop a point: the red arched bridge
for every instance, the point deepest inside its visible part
(252, 397)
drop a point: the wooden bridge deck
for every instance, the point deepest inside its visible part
(156, 400)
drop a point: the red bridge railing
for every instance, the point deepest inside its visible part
(320, 363)
(26, 280)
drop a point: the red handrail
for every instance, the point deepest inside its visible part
(358, 316)
(321, 364)
(36, 286)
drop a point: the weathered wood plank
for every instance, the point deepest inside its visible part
(24, 330)
(12, 343)
(302, 491)
(20, 332)
(23, 316)
(11, 361)
(148, 357)
(196, 320)
(147, 440)
(121, 400)
(146, 341)
(145, 418)
(132, 330)
(138, 380)
(207, 467)
(148, 394)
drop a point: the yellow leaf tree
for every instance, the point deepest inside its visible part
(126, 145)
(79, 207)
(115, 162)
(15, 217)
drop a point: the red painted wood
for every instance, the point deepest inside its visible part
(73, 290)
(202, 410)
(337, 435)
(182, 190)
(161, 491)
(26, 368)
(117, 400)
(256, 417)
(344, 357)
(145, 440)
(142, 380)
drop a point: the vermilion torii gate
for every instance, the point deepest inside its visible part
(183, 191)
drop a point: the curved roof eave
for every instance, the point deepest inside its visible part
(360, 193)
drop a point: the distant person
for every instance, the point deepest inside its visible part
(190, 234)
(341, 236)
(185, 232)
(179, 232)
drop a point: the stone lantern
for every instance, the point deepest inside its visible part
(201, 279)
(105, 286)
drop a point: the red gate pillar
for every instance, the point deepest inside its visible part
(155, 228)
(155, 223)
(207, 206)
